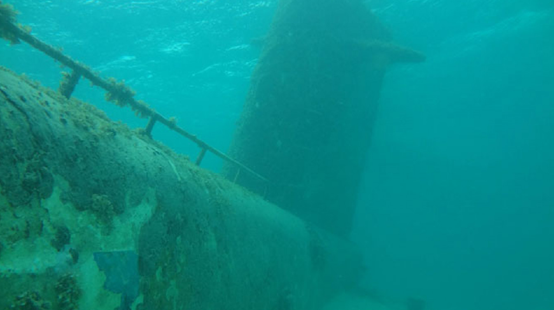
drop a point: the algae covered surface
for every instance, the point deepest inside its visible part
(58, 208)
(97, 216)
(309, 113)
(451, 173)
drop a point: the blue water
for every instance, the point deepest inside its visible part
(457, 205)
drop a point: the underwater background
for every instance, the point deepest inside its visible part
(457, 205)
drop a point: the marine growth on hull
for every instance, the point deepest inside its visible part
(308, 116)
(94, 215)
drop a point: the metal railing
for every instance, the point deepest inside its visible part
(117, 92)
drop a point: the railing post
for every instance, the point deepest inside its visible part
(150, 125)
(236, 175)
(68, 83)
(201, 156)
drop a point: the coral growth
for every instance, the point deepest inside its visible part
(119, 93)
(103, 208)
(122, 95)
(62, 238)
(8, 16)
(36, 179)
(68, 292)
(30, 301)
(68, 83)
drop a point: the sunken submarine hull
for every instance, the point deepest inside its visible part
(308, 116)
(96, 216)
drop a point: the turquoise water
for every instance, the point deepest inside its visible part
(458, 201)
(457, 205)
